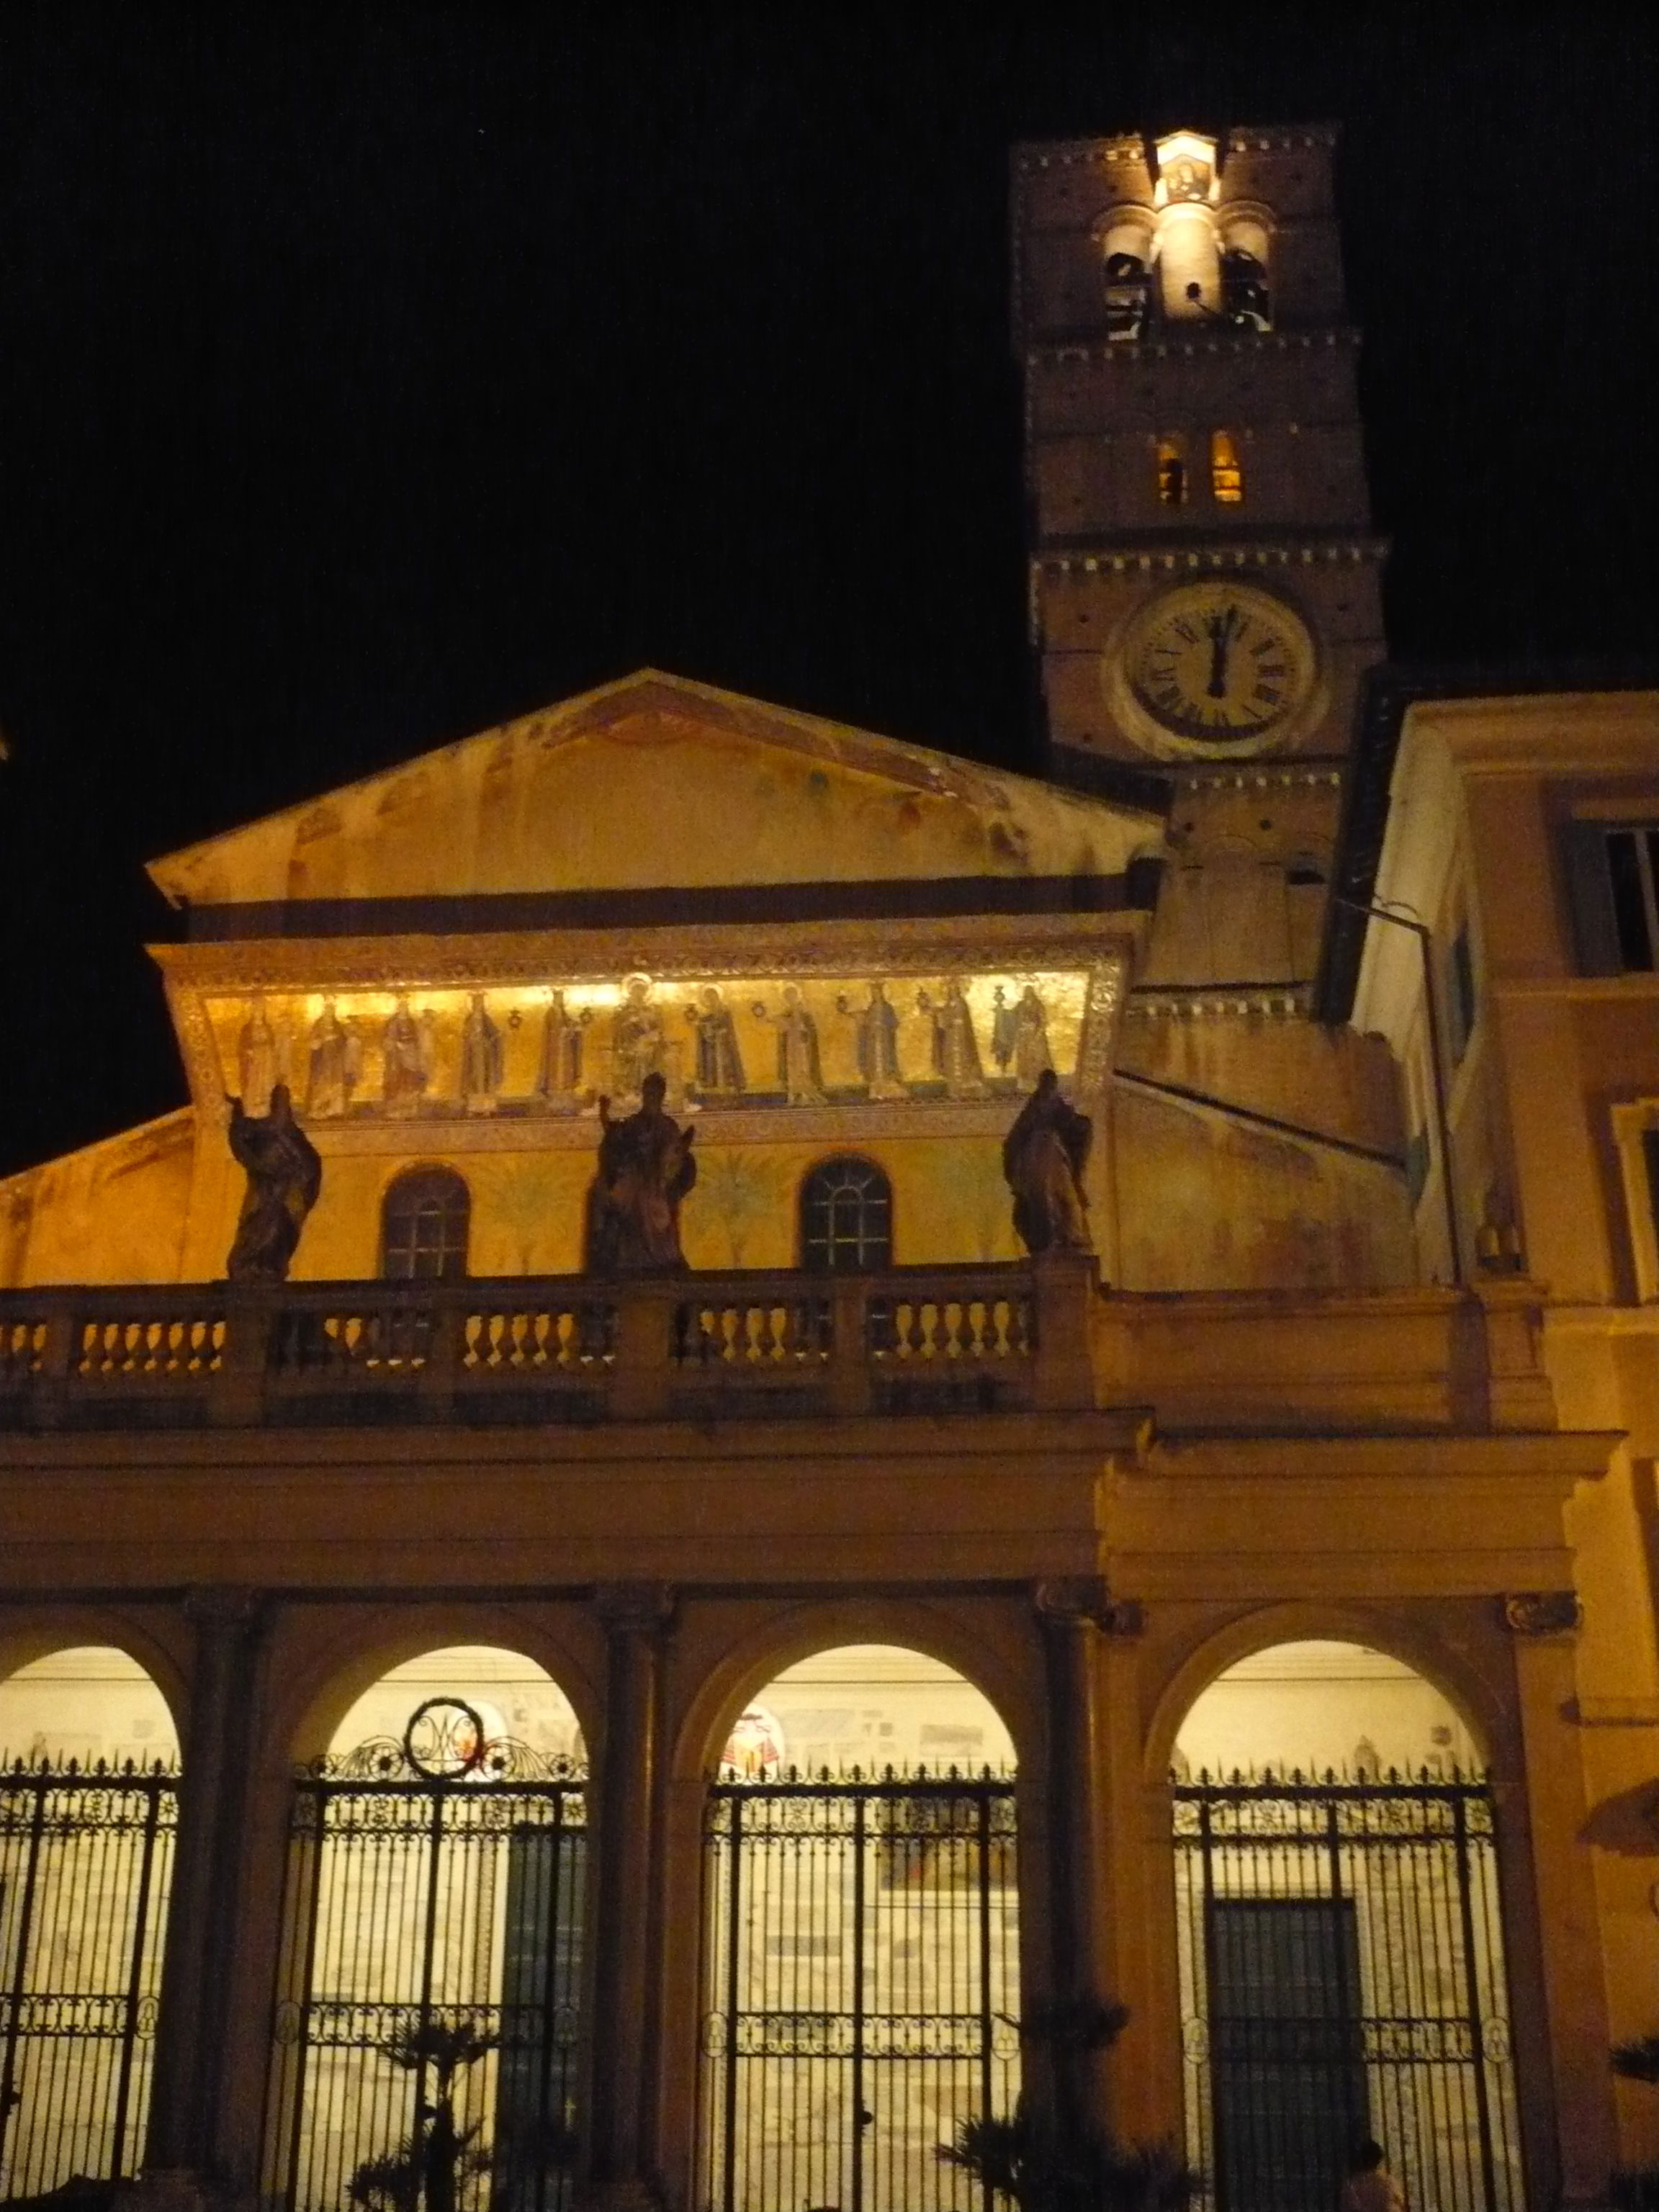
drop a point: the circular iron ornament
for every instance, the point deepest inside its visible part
(445, 1740)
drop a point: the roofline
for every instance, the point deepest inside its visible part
(573, 709)
(1390, 690)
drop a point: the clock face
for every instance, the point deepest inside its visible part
(1217, 665)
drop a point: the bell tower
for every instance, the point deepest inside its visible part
(1204, 581)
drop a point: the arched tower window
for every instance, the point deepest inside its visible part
(1246, 287)
(1171, 473)
(846, 1218)
(1226, 471)
(423, 1227)
(1125, 238)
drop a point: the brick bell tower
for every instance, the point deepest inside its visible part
(1204, 581)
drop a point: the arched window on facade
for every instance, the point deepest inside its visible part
(846, 1218)
(1226, 471)
(423, 1227)
(1171, 473)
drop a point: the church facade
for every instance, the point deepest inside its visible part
(754, 1687)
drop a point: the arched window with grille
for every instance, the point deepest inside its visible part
(423, 1227)
(846, 1218)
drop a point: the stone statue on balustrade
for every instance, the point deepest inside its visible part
(955, 1049)
(284, 1176)
(1043, 1158)
(800, 1077)
(877, 1025)
(645, 1169)
(481, 1059)
(719, 1062)
(559, 1078)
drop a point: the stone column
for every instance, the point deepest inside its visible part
(1072, 1613)
(627, 1946)
(1576, 2106)
(181, 2148)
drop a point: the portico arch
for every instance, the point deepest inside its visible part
(1338, 1925)
(431, 1960)
(861, 1953)
(329, 1677)
(771, 1647)
(1476, 1707)
(88, 1816)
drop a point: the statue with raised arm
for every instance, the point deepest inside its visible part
(646, 1168)
(1043, 1157)
(284, 1176)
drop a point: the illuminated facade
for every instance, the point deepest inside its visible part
(979, 1574)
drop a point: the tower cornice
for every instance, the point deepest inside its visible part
(1124, 147)
(1233, 343)
(1301, 552)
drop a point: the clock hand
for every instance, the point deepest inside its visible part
(1219, 631)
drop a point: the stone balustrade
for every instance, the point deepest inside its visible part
(1002, 1337)
(544, 1349)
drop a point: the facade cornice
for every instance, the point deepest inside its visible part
(1103, 353)
(915, 945)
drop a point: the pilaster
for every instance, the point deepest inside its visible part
(1542, 1625)
(180, 2163)
(1074, 1615)
(627, 1946)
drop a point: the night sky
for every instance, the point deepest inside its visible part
(370, 375)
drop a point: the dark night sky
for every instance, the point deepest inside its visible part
(370, 373)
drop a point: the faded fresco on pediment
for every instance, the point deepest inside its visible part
(536, 1049)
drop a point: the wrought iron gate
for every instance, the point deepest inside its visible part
(861, 1982)
(434, 1907)
(86, 1857)
(1342, 1976)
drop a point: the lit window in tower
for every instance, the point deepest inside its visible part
(1226, 477)
(1171, 473)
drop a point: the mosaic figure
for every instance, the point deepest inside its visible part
(559, 1078)
(955, 1049)
(258, 1056)
(639, 1043)
(480, 1058)
(645, 1169)
(284, 1176)
(719, 1062)
(1043, 1158)
(877, 1042)
(336, 1063)
(406, 1045)
(1019, 1034)
(800, 1078)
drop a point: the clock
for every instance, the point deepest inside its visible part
(1213, 668)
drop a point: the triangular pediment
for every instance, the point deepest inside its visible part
(650, 782)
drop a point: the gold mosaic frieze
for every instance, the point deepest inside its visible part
(755, 1043)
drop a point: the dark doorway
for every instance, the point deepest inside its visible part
(1287, 2070)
